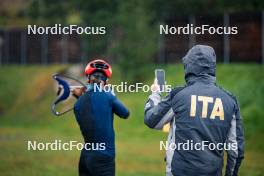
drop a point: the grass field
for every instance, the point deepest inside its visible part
(26, 93)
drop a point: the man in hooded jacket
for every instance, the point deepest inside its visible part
(201, 114)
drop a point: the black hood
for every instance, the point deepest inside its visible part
(200, 64)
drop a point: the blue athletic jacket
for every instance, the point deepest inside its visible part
(94, 112)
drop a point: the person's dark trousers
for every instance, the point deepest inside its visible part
(96, 164)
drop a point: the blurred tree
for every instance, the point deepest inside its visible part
(168, 9)
(48, 12)
(13, 13)
(131, 37)
(97, 13)
(135, 39)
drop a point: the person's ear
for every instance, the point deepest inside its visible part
(88, 78)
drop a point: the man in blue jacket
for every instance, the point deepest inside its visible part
(94, 112)
(201, 115)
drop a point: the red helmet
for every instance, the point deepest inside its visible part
(98, 65)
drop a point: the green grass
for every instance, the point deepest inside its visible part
(26, 93)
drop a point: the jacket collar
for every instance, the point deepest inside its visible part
(205, 78)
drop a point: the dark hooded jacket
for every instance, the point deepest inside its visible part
(204, 120)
